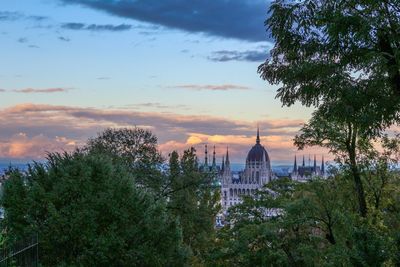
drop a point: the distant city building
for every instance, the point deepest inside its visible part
(304, 173)
(257, 173)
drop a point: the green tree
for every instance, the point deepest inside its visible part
(302, 224)
(194, 201)
(344, 139)
(87, 211)
(138, 148)
(322, 44)
(344, 59)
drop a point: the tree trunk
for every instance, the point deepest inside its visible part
(351, 146)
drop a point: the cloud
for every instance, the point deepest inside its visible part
(96, 27)
(12, 16)
(2, 90)
(157, 105)
(242, 20)
(65, 39)
(258, 55)
(22, 40)
(37, 18)
(9, 16)
(28, 130)
(210, 87)
(46, 90)
(21, 145)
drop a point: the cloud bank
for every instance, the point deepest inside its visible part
(211, 87)
(243, 20)
(29, 130)
(96, 27)
(46, 90)
(259, 55)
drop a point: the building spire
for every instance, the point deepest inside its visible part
(223, 164)
(258, 135)
(304, 164)
(323, 165)
(315, 164)
(295, 164)
(214, 164)
(206, 157)
(227, 162)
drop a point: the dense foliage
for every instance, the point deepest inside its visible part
(195, 202)
(311, 224)
(87, 211)
(342, 57)
(114, 203)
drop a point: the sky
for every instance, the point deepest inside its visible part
(186, 70)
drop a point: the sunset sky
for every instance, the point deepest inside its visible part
(187, 70)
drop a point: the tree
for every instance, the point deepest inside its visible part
(342, 57)
(319, 44)
(87, 211)
(138, 148)
(344, 139)
(194, 201)
(312, 224)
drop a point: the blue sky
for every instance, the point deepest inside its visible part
(187, 70)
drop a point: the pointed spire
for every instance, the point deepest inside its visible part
(214, 164)
(206, 157)
(258, 135)
(227, 167)
(223, 164)
(303, 162)
(315, 164)
(227, 162)
(295, 165)
(323, 165)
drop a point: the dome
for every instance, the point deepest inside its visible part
(256, 153)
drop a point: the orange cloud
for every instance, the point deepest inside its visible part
(22, 146)
(55, 128)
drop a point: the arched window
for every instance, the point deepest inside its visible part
(231, 192)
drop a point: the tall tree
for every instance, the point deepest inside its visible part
(138, 148)
(319, 44)
(88, 212)
(194, 201)
(342, 57)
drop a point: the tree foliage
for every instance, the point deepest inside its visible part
(328, 50)
(342, 57)
(87, 211)
(312, 224)
(138, 148)
(194, 202)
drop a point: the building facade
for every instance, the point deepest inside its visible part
(256, 174)
(304, 173)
